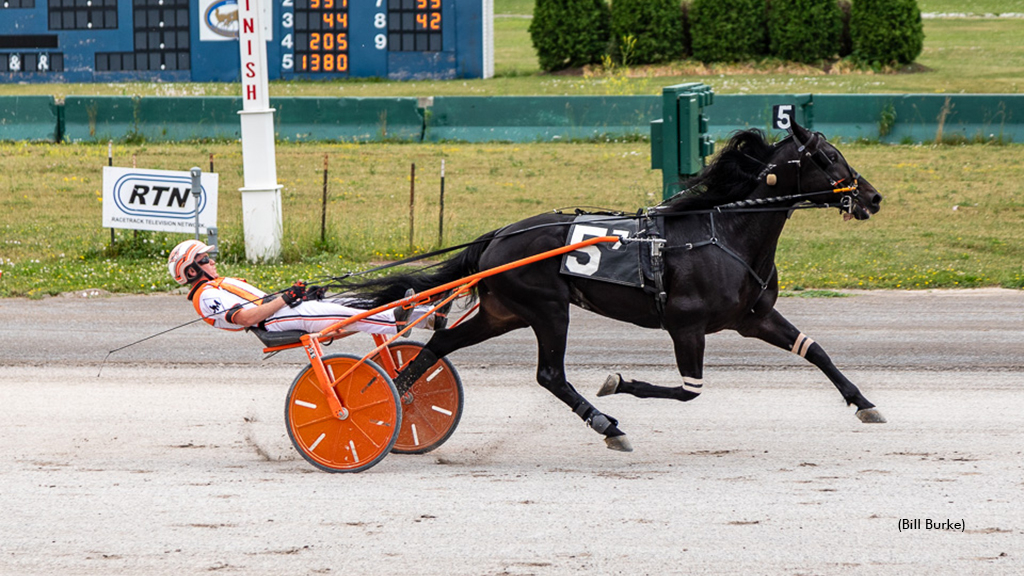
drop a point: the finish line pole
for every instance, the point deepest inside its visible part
(261, 194)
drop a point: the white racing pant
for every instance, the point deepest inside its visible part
(318, 315)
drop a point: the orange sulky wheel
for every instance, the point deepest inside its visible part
(433, 406)
(369, 429)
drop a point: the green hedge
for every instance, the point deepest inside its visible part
(728, 30)
(845, 42)
(647, 31)
(570, 33)
(804, 30)
(886, 32)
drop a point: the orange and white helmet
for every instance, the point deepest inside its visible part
(184, 255)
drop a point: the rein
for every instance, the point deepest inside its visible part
(738, 207)
(845, 204)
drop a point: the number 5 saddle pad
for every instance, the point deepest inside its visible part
(617, 263)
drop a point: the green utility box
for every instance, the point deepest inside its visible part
(680, 139)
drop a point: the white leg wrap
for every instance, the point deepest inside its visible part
(802, 344)
(694, 385)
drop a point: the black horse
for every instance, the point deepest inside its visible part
(718, 251)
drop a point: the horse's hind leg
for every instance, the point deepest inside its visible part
(689, 349)
(776, 330)
(551, 343)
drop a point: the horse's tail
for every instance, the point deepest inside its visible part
(387, 289)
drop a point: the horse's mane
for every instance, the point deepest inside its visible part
(730, 177)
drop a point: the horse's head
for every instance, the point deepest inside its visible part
(819, 166)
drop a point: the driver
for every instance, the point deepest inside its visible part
(234, 304)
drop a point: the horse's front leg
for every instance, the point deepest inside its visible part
(776, 330)
(689, 349)
(551, 375)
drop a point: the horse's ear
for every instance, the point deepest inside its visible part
(802, 135)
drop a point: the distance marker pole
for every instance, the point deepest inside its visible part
(412, 205)
(440, 222)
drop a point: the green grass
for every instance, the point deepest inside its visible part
(971, 6)
(799, 292)
(513, 53)
(517, 7)
(51, 239)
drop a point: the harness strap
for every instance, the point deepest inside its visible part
(714, 241)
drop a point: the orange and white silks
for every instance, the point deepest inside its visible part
(235, 286)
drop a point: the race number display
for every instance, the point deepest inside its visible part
(618, 263)
(185, 40)
(782, 117)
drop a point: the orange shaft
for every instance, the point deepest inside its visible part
(473, 279)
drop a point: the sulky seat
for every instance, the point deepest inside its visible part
(273, 339)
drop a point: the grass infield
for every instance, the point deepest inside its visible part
(951, 216)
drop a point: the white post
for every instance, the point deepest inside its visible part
(261, 194)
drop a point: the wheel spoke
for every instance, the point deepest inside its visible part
(431, 393)
(365, 435)
(426, 422)
(313, 422)
(361, 407)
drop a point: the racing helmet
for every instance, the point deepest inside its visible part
(183, 257)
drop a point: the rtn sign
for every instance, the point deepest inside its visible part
(159, 200)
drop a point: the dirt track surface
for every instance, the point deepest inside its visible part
(175, 459)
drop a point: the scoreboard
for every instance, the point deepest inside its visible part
(197, 40)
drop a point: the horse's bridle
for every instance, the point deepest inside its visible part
(822, 162)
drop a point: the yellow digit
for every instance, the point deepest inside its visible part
(328, 4)
(435, 21)
(329, 19)
(421, 20)
(328, 62)
(342, 62)
(421, 4)
(342, 41)
(314, 41)
(314, 4)
(435, 4)
(343, 20)
(316, 63)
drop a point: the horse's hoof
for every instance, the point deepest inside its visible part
(620, 443)
(871, 416)
(611, 385)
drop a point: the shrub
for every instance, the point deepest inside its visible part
(657, 26)
(687, 38)
(804, 30)
(886, 32)
(728, 30)
(845, 43)
(569, 33)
